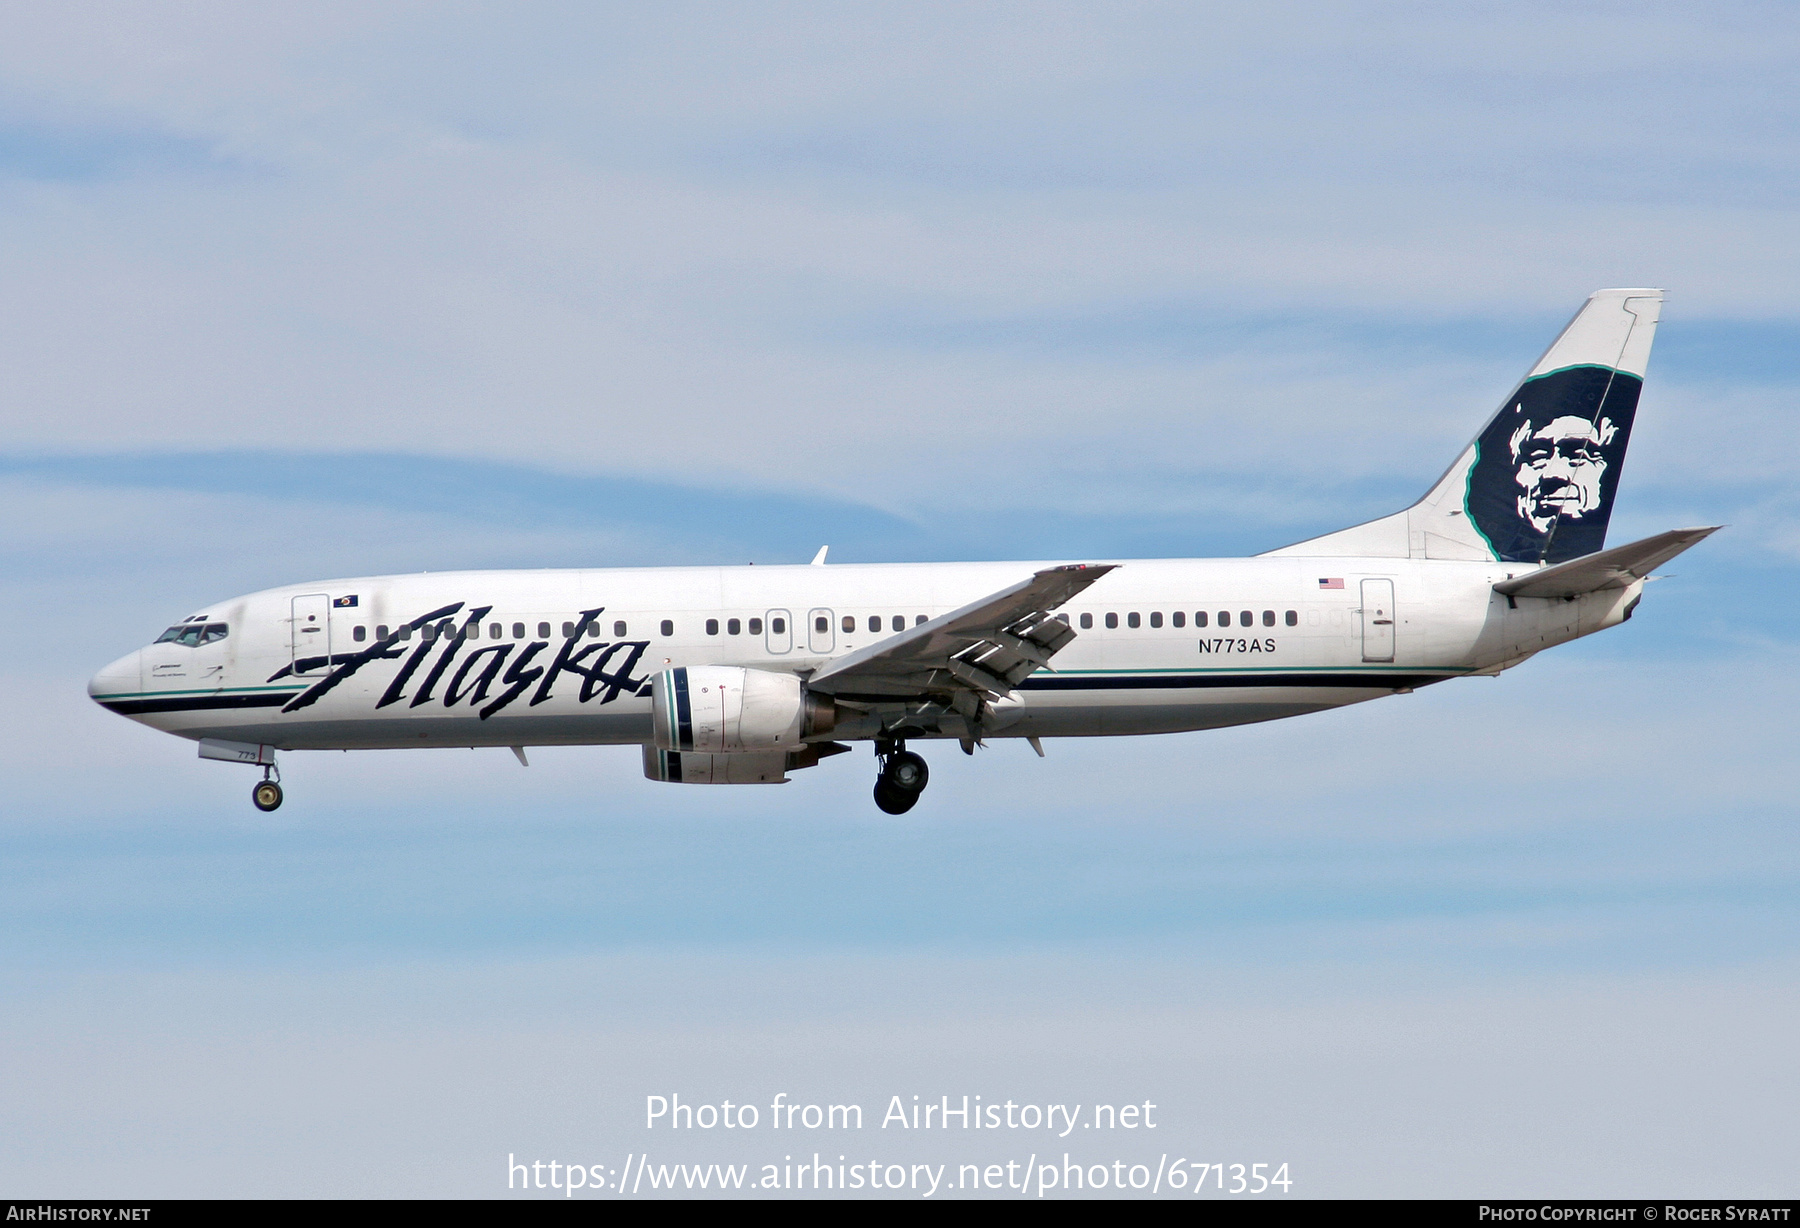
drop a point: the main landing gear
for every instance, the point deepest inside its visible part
(266, 796)
(903, 777)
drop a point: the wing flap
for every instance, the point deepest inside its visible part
(1619, 567)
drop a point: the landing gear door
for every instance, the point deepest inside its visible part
(1378, 620)
(312, 634)
(820, 636)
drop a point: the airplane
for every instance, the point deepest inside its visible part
(741, 675)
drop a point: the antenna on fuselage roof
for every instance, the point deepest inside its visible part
(819, 558)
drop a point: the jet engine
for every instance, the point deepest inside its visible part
(755, 768)
(724, 709)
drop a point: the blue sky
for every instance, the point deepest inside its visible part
(303, 291)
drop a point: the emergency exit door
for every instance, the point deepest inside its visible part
(821, 637)
(1378, 620)
(779, 632)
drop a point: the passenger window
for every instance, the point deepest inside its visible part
(919, 620)
(543, 631)
(496, 631)
(428, 633)
(1178, 618)
(381, 634)
(898, 622)
(1224, 618)
(359, 634)
(1268, 618)
(406, 633)
(1199, 618)
(568, 630)
(778, 626)
(1293, 618)
(1132, 620)
(668, 628)
(1087, 622)
(821, 625)
(1246, 618)
(1156, 618)
(849, 623)
(518, 631)
(756, 626)
(712, 626)
(733, 627)
(619, 630)
(1112, 621)
(593, 630)
(875, 622)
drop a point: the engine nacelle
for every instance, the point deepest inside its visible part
(688, 768)
(727, 710)
(756, 768)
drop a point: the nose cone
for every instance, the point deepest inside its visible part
(117, 680)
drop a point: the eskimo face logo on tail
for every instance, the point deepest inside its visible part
(1546, 467)
(1558, 468)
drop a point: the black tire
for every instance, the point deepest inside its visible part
(907, 772)
(266, 796)
(893, 800)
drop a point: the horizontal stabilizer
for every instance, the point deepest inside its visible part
(1620, 567)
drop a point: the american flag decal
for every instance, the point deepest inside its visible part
(1331, 582)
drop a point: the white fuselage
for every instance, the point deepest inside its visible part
(518, 669)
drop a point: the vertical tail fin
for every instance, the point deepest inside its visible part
(1537, 484)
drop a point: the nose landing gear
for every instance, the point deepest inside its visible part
(903, 777)
(266, 796)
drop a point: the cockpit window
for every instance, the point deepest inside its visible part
(192, 635)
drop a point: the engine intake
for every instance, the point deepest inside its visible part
(725, 709)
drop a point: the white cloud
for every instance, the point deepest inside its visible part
(621, 241)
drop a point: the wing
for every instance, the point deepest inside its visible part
(979, 652)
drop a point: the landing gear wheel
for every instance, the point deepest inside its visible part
(266, 796)
(903, 777)
(892, 799)
(907, 772)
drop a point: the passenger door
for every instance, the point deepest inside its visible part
(1378, 620)
(312, 634)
